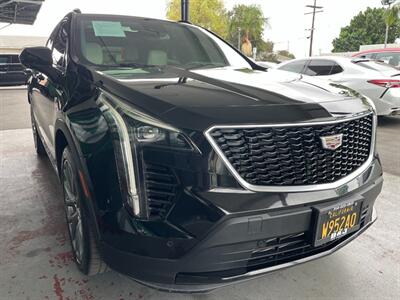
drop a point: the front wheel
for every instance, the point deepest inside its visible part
(81, 234)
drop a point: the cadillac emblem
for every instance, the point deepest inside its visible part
(332, 142)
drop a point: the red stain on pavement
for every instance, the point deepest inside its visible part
(65, 257)
(61, 239)
(62, 259)
(52, 223)
(57, 288)
(51, 227)
(86, 294)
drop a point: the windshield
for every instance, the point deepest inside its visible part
(117, 41)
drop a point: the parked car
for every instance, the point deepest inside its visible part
(388, 55)
(190, 168)
(11, 70)
(374, 79)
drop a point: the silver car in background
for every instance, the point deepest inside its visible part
(377, 80)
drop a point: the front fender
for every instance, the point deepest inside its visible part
(63, 138)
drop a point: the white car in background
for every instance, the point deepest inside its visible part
(377, 80)
(267, 64)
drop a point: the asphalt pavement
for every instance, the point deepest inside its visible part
(36, 260)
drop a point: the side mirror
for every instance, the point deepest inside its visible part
(39, 59)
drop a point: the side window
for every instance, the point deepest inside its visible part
(15, 59)
(336, 69)
(367, 55)
(59, 46)
(296, 66)
(322, 67)
(4, 59)
(391, 58)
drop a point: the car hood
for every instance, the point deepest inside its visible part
(202, 98)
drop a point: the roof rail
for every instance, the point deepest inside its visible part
(77, 10)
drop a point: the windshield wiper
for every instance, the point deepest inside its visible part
(138, 65)
(131, 65)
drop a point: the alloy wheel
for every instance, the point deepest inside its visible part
(73, 212)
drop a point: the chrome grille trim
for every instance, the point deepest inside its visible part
(297, 188)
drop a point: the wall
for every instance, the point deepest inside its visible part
(14, 44)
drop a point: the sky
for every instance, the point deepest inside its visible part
(287, 28)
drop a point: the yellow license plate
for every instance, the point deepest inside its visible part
(337, 221)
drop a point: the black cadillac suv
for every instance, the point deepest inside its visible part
(187, 166)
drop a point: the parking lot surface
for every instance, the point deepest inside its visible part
(36, 260)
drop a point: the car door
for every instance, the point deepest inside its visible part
(47, 94)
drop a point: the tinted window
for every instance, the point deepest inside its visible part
(59, 46)
(15, 59)
(367, 55)
(336, 69)
(4, 59)
(296, 66)
(322, 67)
(112, 41)
(392, 58)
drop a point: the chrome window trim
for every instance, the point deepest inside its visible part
(294, 188)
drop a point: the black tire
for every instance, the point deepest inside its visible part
(80, 229)
(36, 138)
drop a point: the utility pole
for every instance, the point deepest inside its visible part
(185, 10)
(314, 7)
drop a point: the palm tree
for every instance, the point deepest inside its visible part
(247, 21)
(391, 17)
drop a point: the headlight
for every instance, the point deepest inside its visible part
(156, 136)
(131, 130)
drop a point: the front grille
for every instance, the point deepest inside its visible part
(161, 188)
(293, 155)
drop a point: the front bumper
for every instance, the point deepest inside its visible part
(205, 284)
(233, 251)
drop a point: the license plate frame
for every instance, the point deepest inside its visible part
(338, 211)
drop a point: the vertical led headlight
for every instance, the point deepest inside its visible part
(131, 131)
